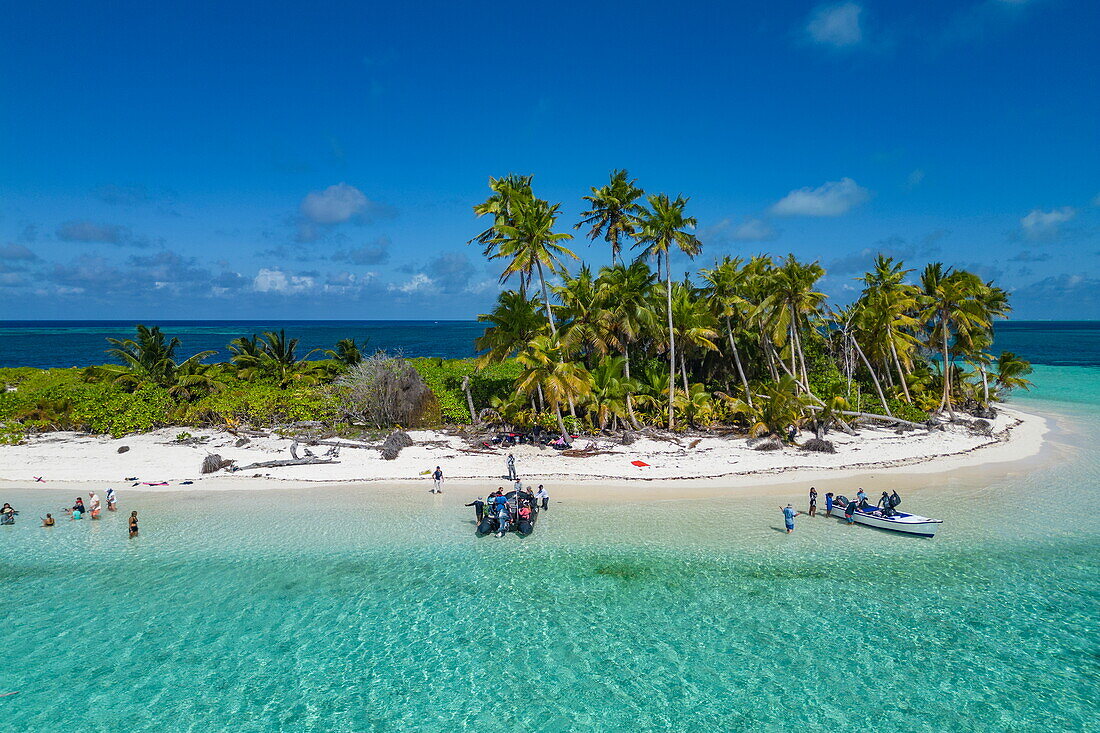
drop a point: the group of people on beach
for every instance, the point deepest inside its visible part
(886, 503)
(77, 511)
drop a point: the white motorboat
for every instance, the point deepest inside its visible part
(897, 521)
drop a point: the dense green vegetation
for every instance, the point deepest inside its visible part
(746, 343)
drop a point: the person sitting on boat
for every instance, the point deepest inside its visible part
(884, 505)
(861, 498)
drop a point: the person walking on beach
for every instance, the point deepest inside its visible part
(133, 524)
(813, 501)
(437, 481)
(479, 508)
(789, 513)
(112, 501)
(544, 496)
(512, 476)
(828, 503)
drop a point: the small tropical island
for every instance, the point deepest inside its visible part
(740, 367)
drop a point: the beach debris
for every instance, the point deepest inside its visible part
(981, 427)
(695, 442)
(768, 443)
(819, 445)
(393, 444)
(242, 442)
(639, 464)
(629, 438)
(215, 462)
(123, 448)
(281, 464)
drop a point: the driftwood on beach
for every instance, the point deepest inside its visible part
(308, 461)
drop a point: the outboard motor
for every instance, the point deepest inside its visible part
(486, 525)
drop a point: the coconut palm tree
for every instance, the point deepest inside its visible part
(694, 325)
(588, 329)
(609, 391)
(952, 303)
(515, 320)
(1011, 373)
(788, 307)
(150, 359)
(547, 370)
(501, 206)
(662, 227)
(530, 243)
(347, 352)
(613, 213)
(887, 305)
(625, 292)
(727, 285)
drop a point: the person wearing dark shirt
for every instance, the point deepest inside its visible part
(813, 501)
(479, 508)
(828, 504)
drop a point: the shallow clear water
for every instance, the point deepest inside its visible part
(377, 609)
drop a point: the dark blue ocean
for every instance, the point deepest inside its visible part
(81, 343)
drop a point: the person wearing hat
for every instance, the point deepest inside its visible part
(479, 508)
(789, 513)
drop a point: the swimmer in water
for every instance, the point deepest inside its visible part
(133, 524)
(48, 521)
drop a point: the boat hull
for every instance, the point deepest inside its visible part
(913, 524)
(909, 524)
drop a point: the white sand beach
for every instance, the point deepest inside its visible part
(152, 458)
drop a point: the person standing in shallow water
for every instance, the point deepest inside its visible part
(133, 524)
(789, 513)
(828, 503)
(813, 501)
(544, 496)
(437, 481)
(479, 508)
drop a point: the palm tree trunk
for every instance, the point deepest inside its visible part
(901, 373)
(874, 377)
(985, 384)
(684, 372)
(629, 400)
(737, 361)
(671, 344)
(946, 400)
(542, 400)
(546, 299)
(469, 399)
(561, 423)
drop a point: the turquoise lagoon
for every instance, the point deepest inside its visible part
(378, 610)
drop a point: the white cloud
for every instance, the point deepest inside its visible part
(836, 25)
(1042, 225)
(334, 205)
(277, 281)
(418, 284)
(754, 230)
(832, 198)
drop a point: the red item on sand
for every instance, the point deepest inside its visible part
(639, 463)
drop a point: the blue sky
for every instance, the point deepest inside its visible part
(232, 160)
